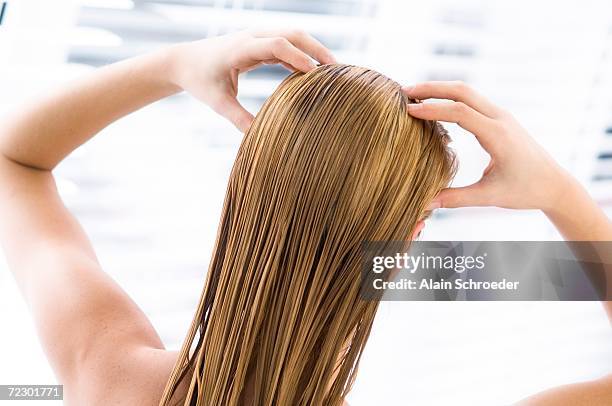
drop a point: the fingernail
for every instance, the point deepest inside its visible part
(415, 106)
(407, 89)
(436, 204)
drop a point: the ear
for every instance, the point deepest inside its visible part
(417, 230)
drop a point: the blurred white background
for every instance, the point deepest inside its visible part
(149, 189)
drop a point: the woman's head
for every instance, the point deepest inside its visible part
(332, 160)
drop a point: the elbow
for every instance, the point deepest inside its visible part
(15, 160)
(13, 151)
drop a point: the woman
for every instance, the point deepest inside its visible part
(102, 347)
(331, 160)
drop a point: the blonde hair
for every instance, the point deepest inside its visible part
(331, 160)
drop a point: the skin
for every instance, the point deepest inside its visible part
(55, 265)
(47, 250)
(520, 175)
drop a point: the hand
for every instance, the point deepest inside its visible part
(209, 68)
(520, 175)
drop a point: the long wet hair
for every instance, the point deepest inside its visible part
(332, 159)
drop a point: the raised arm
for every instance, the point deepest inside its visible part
(42, 134)
(520, 175)
(88, 326)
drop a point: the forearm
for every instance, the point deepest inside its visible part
(43, 133)
(577, 216)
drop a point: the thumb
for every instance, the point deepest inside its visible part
(231, 109)
(466, 196)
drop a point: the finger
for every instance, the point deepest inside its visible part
(288, 67)
(276, 61)
(460, 113)
(305, 42)
(231, 109)
(261, 49)
(252, 67)
(457, 91)
(466, 196)
(288, 53)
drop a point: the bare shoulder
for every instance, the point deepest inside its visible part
(591, 393)
(132, 377)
